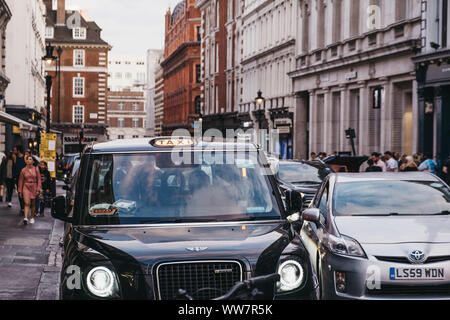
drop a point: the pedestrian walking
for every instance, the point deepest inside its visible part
(2, 177)
(29, 188)
(313, 156)
(428, 165)
(376, 158)
(409, 166)
(9, 177)
(391, 163)
(45, 196)
(18, 166)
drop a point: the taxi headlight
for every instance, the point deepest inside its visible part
(101, 282)
(291, 274)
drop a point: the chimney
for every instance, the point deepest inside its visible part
(61, 13)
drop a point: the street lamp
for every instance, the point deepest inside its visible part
(259, 99)
(48, 58)
(59, 52)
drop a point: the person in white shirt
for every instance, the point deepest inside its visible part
(376, 157)
(392, 164)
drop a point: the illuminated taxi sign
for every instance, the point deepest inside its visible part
(172, 143)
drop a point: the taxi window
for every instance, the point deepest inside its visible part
(154, 187)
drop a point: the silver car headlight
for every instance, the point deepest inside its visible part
(344, 246)
(102, 282)
(292, 276)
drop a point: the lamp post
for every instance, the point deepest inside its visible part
(81, 138)
(48, 58)
(260, 100)
(59, 52)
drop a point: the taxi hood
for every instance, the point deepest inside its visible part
(149, 245)
(386, 230)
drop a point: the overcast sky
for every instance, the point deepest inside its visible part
(130, 26)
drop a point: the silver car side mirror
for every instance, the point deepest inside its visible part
(311, 215)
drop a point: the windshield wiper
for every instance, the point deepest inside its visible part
(443, 213)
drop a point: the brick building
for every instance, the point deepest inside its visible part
(126, 114)
(80, 97)
(181, 65)
(218, 48)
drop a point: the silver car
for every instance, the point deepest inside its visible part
(380, 236)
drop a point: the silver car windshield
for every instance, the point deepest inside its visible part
(152, 187)
(391, 198)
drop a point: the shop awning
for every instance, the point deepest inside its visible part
(23, 125)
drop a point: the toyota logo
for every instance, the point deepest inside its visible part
(417, 256)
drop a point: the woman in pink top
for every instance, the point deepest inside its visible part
(29, 188)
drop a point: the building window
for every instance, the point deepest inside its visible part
(198, 74)
(49, 32)
(141, 77)
(121, 106)
(128, 75)
(118, 75)
(78, 114)
(79, 33)
(197, 104)
(54, 5)
(121, 123)
(444, 23)
(78, 87)
(135, 123)
(121, 137)
(135, 106)
(199, 34)
(78, 58)
(135, 136)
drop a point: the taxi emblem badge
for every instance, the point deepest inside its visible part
(196, 249)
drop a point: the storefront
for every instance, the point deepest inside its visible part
(17, 131)
(282, 121)
(433, 77)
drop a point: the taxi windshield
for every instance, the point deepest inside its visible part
(158, 188)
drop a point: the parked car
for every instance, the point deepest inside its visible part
(380, 236)
(302, 176)
(345, 163)
(147, 222)
(65, 165)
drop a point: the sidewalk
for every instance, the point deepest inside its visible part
(30, 256)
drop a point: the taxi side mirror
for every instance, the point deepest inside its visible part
(59, 210)
(311, 215)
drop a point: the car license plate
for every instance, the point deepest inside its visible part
(417, 274)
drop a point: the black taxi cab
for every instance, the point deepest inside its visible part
(151, 217)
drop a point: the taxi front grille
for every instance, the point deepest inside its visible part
(203, 280)
(409, 290)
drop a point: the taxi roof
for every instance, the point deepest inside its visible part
(147, 145)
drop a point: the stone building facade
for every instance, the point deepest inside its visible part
(182, 87)
(353, 69)
(159, 99)
(79, 93)
(433, 76)
(24, 96)
(5, 17)
(268, 30)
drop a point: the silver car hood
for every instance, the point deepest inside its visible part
(390, 230)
